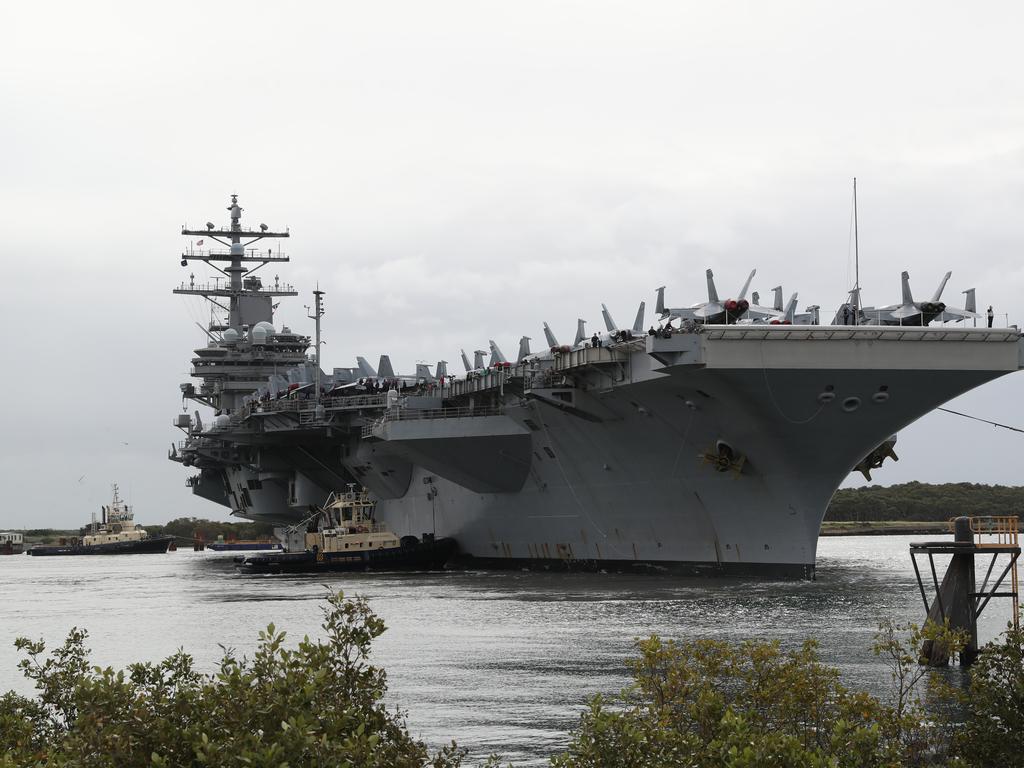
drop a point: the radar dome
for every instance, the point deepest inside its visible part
(268, 327)
(230, 336)
(258, 335)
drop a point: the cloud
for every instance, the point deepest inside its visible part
(457, 174)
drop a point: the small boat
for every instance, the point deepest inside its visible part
(243, 545)
(116, 534)
(11, 543)
(343, 536)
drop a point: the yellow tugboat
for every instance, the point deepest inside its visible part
(343, 536)
(116, 534)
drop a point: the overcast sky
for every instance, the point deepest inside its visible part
(454, 172)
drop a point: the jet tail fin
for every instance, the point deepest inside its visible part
(746, 285)
(423, 372)
(608, 322)
(442, 369)
(790, 311)
(942, 286)
(465, 361)
(384, 369)
(496, 356)
(712, 291)
(581, 331)
(365, 369)
(552, 341)
(970, 303)
(524, 348)
(638, 324)
(777, 304)
(478, 359)
(660, 308)
(907, 297)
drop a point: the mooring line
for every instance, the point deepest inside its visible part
(976, 418)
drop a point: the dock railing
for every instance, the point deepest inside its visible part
(1000, 531)
(994, 530)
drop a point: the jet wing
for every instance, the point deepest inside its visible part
(683, 313)
(954, 315)
(905, 311)
(758, 312)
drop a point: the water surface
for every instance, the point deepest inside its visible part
(498, 661)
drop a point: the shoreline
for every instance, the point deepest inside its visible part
(884, 528)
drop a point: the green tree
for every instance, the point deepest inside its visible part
(923, 501)
(711, 704)
(992, 732)
(317, 704)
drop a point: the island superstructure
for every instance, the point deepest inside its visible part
(715, 447)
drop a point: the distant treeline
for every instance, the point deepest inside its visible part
(924, 501)
(209, 530)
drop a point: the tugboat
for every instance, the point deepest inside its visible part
(116, 534)
(11, 543)
(343, 536)
(242, 545)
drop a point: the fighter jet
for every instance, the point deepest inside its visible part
(712, 311)
(386, 372)
(784, 315)
(478, 359)
(970, 310)
(911, 312)
(616, 333)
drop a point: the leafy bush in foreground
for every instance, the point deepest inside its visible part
(319, 704)
(992, 733)
(698, 704)
(713, 704)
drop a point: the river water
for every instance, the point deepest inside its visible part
(500, 662)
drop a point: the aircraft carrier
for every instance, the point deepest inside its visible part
(710, 445)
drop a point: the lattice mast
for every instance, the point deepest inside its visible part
(238, 241)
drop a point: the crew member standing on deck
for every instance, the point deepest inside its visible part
(990, 314)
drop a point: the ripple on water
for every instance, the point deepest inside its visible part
(502, 662)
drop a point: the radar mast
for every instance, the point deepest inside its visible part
(238, 243)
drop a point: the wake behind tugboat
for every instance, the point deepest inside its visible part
(116, 534)
(343, 536)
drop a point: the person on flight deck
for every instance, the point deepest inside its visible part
(652, 332)
(594, 341)
(846, 314)
(990, 314)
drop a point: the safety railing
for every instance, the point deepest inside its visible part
(285, 405)
(417, 414)
(1000, 532)
(994, 530)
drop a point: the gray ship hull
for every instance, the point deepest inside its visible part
(717, 448)
(625, 475)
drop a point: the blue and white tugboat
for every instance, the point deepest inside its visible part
(343, 536)
(116, 534)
